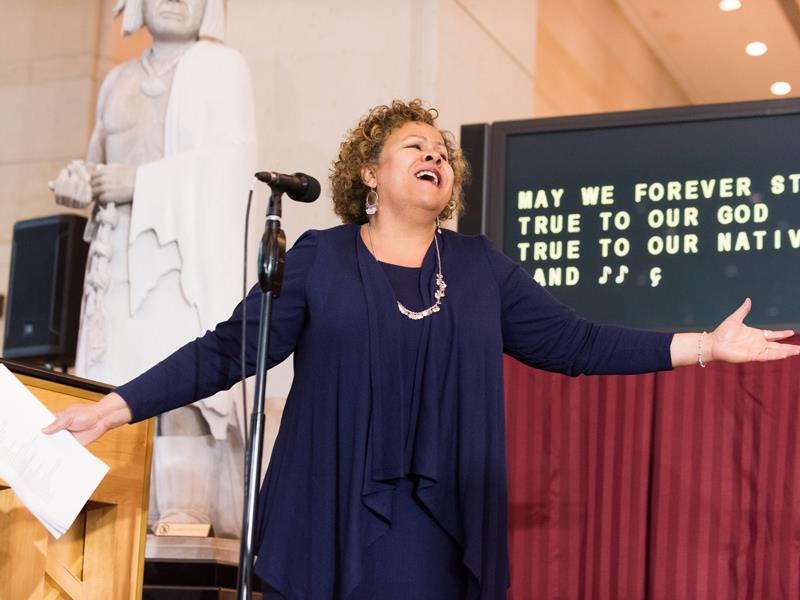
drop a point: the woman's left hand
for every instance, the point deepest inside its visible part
(733, 341)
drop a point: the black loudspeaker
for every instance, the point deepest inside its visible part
(45, 287)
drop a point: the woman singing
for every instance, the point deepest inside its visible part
(388, 477)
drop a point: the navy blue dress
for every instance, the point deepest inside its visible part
(359, 466)
(416, 558)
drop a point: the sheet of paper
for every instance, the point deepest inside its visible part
(53, 475)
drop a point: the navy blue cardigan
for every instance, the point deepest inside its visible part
(328, 490)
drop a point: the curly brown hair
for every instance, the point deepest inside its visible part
(363, 146)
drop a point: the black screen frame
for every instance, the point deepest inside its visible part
(493, 208)
(486, 195)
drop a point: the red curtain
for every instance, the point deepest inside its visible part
(670, 486)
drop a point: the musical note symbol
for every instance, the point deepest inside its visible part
(623, 270)
(604, 277)
(655, 276)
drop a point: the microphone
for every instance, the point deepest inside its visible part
(300, 187)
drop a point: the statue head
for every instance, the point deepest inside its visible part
(174, 18)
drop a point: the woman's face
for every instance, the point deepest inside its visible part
(413, 171)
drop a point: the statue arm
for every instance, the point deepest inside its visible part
(73, 186)
(109, 183)
(97, 144)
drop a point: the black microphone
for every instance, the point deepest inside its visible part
(300, 187)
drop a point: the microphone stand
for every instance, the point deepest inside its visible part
(271, 255)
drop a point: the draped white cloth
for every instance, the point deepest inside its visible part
(172, 270)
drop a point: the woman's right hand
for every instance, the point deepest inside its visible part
(87, 422)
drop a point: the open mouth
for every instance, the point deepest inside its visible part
(427, 175)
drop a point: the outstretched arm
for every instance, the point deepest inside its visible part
(732, 341)
(87, 422)
(541, 332)
(206, 365)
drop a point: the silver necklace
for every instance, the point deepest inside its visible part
(152, 85)
(440, 284)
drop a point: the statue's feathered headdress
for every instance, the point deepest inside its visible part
(212, 25)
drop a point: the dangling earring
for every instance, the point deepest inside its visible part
(371, 202)
(438, 225)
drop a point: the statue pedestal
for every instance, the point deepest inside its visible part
(192, 568)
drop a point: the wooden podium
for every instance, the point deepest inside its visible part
(102, 554)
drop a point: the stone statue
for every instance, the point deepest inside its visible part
(167, 174)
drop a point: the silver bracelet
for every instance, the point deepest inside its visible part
(700, 350)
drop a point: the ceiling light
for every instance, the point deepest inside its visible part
(780, 88)
(729, 5)
(756, 48)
